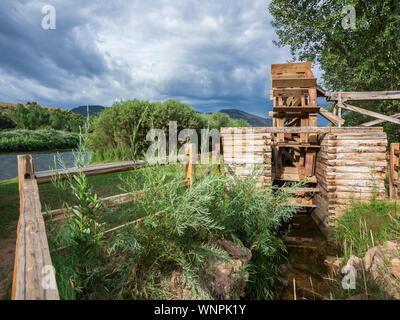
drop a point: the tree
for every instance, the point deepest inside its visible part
(364, 59)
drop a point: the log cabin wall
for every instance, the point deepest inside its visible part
(349, 165)
(246, 150)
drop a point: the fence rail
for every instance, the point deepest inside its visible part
(34, 275)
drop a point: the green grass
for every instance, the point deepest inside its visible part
(364, 225)
(103, 185)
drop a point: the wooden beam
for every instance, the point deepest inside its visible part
(34, 277)
(46, 176)
(363, 96)
(331, 117)
(379, 121)
(368, 112)
(226, 132)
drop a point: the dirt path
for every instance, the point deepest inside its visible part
(7, 249)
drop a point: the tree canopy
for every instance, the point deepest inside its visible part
(366, 58)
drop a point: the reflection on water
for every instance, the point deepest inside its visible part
(42, 161)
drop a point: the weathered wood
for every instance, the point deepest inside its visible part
(189, 166)
(46, 176)
(368, 112)
(394, 175)
(34, 277)
(321, 130)
(331, 117)
(379, 121)
(363, 96)
(290, 68)
(108, 202)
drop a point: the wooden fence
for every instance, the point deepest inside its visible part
(394, 181)
(34, 275)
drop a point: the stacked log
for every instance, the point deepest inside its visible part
(351, 165)
(248, 151)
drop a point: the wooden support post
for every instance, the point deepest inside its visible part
(189, 165)
(217, 153)
(310, 162)
(394, 175)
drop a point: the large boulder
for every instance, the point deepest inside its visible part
(224, 279)
(383, 263)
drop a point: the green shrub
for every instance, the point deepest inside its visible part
(6, 122)
(36, 140)
(33, 117)
(119, 133)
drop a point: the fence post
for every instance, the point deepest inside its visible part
(189, 165)
(394, 166)
(217, 152)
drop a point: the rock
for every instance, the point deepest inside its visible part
(383, 263)
(235, 250)
(178, 287)
(224, 279)
(334, 263)
(355, 262)
(228, 279)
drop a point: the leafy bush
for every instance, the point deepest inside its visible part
(119, 133)
(36, 140)
(6, 122)
(178, 231)
(33, 117)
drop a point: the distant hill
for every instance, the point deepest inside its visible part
(253, 120)
(6, 105)
(93, 110)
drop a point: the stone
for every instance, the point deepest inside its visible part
(383, 263)
(355, 262)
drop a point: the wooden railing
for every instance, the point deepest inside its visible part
(394, 181)
(34, 274)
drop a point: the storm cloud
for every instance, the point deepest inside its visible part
(210, 54)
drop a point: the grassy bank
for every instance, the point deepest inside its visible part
(362, 226)
(50, 196)
(37, 140)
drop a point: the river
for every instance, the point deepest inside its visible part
(42, 161)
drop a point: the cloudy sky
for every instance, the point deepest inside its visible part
(211, 54)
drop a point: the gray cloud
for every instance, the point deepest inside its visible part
(210, 54)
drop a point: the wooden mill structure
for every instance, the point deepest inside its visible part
(338, 163)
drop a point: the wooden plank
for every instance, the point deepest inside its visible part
(378, 121)
(310, 163)
(363, 96)
(34, 278)
(295, 67)
(290, 92)
(305, 109)
(112, 201)
(294, 83)
(394, 175)
(368, 112)
(43, 177)
(331, 117)
(332, 130)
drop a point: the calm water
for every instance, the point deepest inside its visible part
(42, 161)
